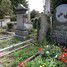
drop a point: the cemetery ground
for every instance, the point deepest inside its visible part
(34, 55)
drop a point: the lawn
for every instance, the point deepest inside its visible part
(8, 42)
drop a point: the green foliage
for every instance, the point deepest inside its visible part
(8, 7)
(16, 2)
(39, 62)
(36, 23)
(13, 18)
(55, 3)
(32, 34)
(24, 54)
(8, 42)
(51, 51)
(34, 14)
(5, 8)
(9, 26)
(47, 59)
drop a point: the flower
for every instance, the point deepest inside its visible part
(64, 49)
(40, 49)
(20, 64)
(47, 46)
(63, 57)
(47, 52)
(40, 66)
(56, 56)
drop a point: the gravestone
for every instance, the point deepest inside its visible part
(59, 26)
(21, 19)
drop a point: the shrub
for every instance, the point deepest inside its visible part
(9, 26)
(39, 62)
(13, 18)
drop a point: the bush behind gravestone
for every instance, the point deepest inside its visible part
(9, 26)
(55, 3)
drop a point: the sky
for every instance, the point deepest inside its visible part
(36, 4)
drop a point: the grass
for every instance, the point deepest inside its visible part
(26, 52)
(18, 56)
(8, 42)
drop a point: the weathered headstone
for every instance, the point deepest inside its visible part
(44, 25)
(21, 19)
(59, 32)
(45, 22)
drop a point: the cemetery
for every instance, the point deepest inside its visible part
(33, 39)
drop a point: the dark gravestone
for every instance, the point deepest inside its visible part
(59, 31)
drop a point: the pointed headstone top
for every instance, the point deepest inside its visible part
(21, 9)
(20, 6)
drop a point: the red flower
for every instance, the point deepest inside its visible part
(40, 49)
(20, 64)
(63, 57)
(65, 49)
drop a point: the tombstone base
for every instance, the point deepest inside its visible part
(21, 34)
(59, 38)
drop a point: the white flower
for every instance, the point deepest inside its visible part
(40, 66)
(56, 56)
(47, 52)
(47, 46)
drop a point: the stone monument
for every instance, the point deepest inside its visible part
(21, 19)
(59, 32)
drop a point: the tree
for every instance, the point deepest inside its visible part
(34, 14)
(55, 3)
(8, 7)
(34, 18)
(5, 8)
(16, 2)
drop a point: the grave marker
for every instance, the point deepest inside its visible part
(59, 32)
(21, 19)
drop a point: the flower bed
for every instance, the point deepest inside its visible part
(22, 55)
(48, 58)
(40, 62)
